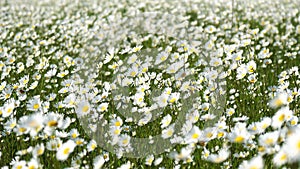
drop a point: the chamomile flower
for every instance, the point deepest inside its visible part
(115, 131)
(174, 97)
(281, 116)
(279, 100)
(102, 107)
(256, 162)
(184, 154)
(98, 162)
(33, 123)
(222, 155)
(132, 59)
(38, 150)
(83, 108)
(116, 122)
(65, 150)
(149, 160)
(162, 100)
(161, 58)
(239, 134)
(241, 72)
(269, 139)
(91, 146)
(34, 104)
(19, 165)
(8, 108)
(166, 121)
(124, 140)
(168, 132)
(194, 135)
(53, 144)
(137, 48)
(33, 164)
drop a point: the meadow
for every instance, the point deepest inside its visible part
(149, 84)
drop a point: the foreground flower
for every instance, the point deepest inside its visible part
(83, 108)
(65, 150)
(279, 100)
(254, 163)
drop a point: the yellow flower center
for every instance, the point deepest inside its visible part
(209, 135)
(74, 135)
(278, 102)
(9, 110)
(283, 157)
(170, 133)
(195, 136)
(172, 100)
(78, 142)
(66, 151)
(125, 141)
(298, 144)
(36, 106)
(239, 139)
(40, 151)
(31, 167)
(118, 123)
(221, 134)
(52, 123)
(85, 108)
(281, 117)
(22, 129)
(269, 141)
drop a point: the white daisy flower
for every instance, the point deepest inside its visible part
(168, 132)
(65, 150)
(255, 162)
(165, 122)
(279, 100)
(83, 108)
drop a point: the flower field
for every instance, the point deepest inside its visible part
(149, 84)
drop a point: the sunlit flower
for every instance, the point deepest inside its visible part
(65, 150)
(279, 100)
(256, 162)
(83, 108)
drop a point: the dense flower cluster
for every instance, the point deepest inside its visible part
(205, 84)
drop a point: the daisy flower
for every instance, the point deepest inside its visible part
(174, 97)
(168, 132)
(124, 140)
(98, 162)
(83, 108)
(91, 145)
(222, 155)
(38, 150)
(162, 100)
(149, 160)
(65, 150)
(280, 158)
(102, 107)
(8, 108)
(279, 100)
(281, 116)
(256, 162)
(161, 58)
(166, 121)
(34, 104)
(194, 135)
(269, 139)
(116, 122)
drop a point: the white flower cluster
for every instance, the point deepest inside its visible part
(182, 84)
